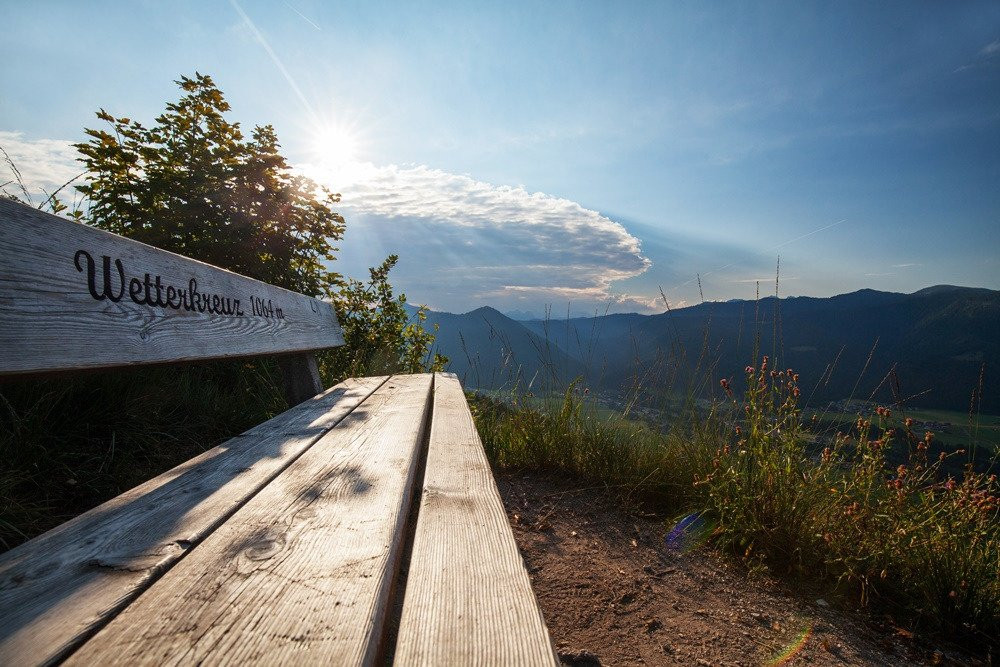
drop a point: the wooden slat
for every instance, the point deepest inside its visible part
(302, 574)
(468, 597)
(51, 320)
(60, 587)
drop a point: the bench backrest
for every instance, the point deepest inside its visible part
(75, 297)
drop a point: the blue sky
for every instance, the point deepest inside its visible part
(519, 155)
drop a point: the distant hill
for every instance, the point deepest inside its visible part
(489, 350)
(936, 340)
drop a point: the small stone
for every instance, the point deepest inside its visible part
(581, 658)
(822, 603)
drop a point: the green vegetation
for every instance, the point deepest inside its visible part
(917, 542)
(193, 184)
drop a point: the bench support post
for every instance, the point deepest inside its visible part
(300, 377)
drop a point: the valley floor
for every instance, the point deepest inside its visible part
(612, 593)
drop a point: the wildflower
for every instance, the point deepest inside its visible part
(796, 392)
(953, 595)
(908, 421)
(795, 378)
(826, 455)
(789, 372)
(749, 370)
(928, 436)
(950, 484)
(942, 456)
(763, 365)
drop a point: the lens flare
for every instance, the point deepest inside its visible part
(792, 649)
(689, 533)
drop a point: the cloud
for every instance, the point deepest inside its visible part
(464, 242)
(907, 265)
(991, 48)
(44, 164)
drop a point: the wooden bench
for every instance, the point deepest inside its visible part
(302, 540)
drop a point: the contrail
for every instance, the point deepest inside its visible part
(815, 231)
(304, 17)
(277, 61)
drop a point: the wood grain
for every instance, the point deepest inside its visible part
(50, 320)
(468, 596)
(302, 573)
(58, 588)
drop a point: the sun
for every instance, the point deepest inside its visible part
(336, 146)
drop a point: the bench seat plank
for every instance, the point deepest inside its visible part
(303, 573)
(468, 596)
(58, 588)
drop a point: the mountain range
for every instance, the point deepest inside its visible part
(933, 348)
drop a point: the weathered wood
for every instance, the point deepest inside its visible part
(300, 377)
(53, 316)
(302, 573)
(58, 588)
(468, 597)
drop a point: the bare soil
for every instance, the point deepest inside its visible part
(613, 593)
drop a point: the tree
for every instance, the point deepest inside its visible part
(380, 336)
(194, 185)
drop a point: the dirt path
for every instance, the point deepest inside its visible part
(612, 591)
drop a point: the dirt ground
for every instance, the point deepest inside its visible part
(613, 593)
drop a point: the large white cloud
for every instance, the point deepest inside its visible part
(462, 242)
(465, 242)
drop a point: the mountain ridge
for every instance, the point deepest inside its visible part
(932, 344)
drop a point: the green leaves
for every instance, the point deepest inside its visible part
(380, 336)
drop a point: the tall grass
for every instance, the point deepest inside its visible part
(910, 539)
